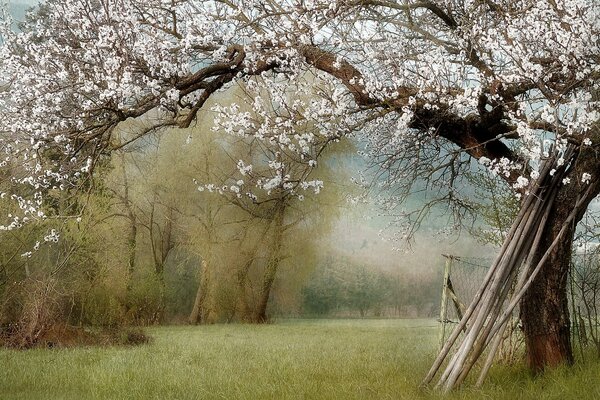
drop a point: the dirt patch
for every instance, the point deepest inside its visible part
(62, 335)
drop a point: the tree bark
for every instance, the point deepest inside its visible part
(544, 309)
(243, 308)
(203, 311)
(272, 266)
(200, 295)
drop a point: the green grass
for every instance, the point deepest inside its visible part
(307, 359)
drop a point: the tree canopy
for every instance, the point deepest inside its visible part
(501, 80)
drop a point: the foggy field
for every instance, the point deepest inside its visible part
(294, 359)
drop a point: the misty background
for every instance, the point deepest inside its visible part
(355, 268)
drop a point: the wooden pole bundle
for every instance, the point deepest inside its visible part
(486, 318)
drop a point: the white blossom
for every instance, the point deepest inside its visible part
(586, 177)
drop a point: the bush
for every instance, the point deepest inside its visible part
(38, 313)
(31, 310)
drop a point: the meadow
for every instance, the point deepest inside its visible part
(291, 359)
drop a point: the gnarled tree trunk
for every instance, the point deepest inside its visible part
(544, 308)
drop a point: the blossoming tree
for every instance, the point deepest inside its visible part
(509, 83)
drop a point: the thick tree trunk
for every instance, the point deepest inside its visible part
(544, 308)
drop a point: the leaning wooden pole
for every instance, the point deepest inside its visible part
(475, 302)
(526, 271)
(507, 280)
(482, 289)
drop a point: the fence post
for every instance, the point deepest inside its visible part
(444, 304)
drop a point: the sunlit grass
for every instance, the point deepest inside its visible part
(328, 359)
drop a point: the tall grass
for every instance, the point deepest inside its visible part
(327, 359)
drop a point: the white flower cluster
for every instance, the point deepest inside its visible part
(305, 74)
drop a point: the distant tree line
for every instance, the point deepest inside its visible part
(340, 287)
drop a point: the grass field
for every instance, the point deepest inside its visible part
(305, 359)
